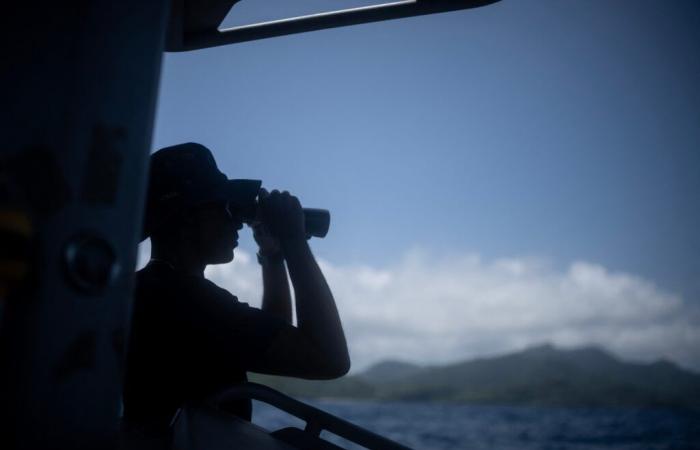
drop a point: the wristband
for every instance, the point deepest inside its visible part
(272, 258)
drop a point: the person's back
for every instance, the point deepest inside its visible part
(190, 338)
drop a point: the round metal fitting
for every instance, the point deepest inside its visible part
(91, 263)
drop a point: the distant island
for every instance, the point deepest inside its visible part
(542, 375)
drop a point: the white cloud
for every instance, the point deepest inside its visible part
(442, 309)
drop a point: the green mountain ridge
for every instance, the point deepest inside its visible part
(542, 375)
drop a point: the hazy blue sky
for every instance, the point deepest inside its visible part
(558, 131)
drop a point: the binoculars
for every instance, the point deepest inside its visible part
(245, 199)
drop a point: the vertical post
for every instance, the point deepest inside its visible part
(80, 81)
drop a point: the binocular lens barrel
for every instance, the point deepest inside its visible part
(317, 222)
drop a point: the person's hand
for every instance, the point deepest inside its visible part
(268, 244)
(282, 215)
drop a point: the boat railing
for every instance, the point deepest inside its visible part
(316, 419)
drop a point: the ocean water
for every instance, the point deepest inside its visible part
(437, 426)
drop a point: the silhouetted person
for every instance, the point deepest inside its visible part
(191, 338)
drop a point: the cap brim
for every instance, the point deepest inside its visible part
(241, 193)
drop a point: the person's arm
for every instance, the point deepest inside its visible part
(316, 348)
(317, 315)
(277, 299)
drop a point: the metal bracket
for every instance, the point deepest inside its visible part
(193, 29)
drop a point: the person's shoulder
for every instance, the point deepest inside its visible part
(159, 282)
(217, 291)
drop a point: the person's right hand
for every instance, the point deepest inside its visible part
(282, 214)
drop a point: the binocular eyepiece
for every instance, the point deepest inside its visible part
(245, 199)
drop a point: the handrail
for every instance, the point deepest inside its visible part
(313, 22)
(316, 419)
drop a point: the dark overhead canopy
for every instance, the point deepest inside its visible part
(194, 23)
(205, 15)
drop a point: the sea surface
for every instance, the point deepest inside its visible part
(438, 426)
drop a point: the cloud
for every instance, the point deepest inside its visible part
(435, 310)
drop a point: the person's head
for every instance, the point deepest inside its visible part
(191, 205)
(206, 234)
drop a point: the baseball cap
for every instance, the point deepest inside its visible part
(185, 176)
